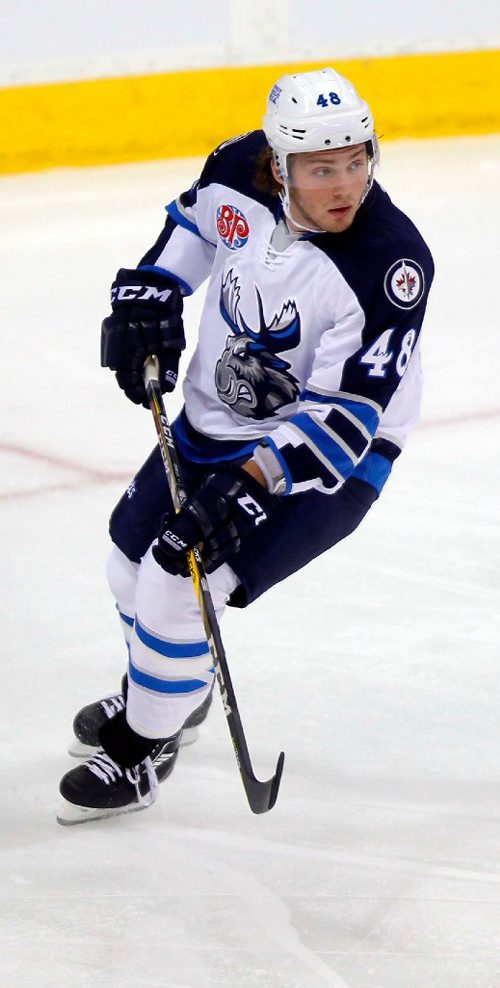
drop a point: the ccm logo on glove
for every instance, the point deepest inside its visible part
(219, 516)
(139, 293)
(174, 540)
(146, 319)
(253, 508)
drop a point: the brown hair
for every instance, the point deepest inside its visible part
(264, 179)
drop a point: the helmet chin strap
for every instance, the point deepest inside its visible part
(285, 202)
(369, 181)
(285, 197)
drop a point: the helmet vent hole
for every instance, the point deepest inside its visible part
(294, 100)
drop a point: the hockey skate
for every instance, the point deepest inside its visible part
(91, 718)
(101, 788)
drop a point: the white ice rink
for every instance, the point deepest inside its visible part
(376, 669)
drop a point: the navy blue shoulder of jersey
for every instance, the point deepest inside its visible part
(380, 238)
(233, 164)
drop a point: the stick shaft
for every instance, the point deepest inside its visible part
(261, 795)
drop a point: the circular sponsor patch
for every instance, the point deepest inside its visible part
(404, 283)
(232, 227)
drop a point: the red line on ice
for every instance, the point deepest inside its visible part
(86, 474)
(62, 462)
(96, 475)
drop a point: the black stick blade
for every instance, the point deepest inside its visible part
(263, 795)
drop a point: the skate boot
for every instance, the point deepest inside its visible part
(102, 788)
(91, 718)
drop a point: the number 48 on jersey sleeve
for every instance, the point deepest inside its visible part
(379, 356)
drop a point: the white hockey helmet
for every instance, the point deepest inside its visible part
(317, 111)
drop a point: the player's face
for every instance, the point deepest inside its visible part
(326, 187)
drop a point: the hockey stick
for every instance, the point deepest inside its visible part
(261, 795)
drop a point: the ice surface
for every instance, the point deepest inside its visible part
(376, 669)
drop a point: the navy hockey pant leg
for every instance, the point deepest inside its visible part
(136, 520)
(301, 527)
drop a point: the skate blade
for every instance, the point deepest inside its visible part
(79, 750)
(189, 736)
(69, 815)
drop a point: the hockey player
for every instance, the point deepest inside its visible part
(303, 386)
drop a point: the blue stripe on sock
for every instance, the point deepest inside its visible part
(128, 620)
(165, 685)
(171, 649)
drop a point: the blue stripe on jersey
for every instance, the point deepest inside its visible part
(386, 448)
(305, 467)
(366, 414)
(170, 649)
(128, 620)
(164, 685)
(186, 289)
(348, 431)
(204, 449)
(374, 469)
(182, 220)
(324, 443)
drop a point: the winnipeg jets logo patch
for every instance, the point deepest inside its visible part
(232, 227)
(404, 284)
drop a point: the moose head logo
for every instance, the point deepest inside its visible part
(250, 376)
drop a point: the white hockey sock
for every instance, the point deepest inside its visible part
(122, 576)
(170, 669)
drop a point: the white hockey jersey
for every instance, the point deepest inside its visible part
(308, 342)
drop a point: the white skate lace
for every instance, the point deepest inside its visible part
(107, 770)
(104, 768)
(113, 704)
(150, 796)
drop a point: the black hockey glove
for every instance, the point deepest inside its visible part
(220, 515)
(146, 320)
